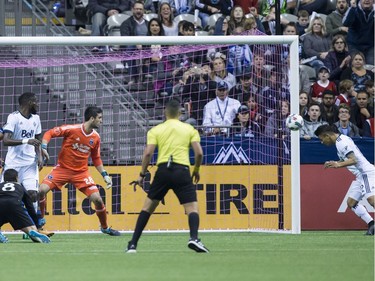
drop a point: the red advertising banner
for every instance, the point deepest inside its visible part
(323, 199)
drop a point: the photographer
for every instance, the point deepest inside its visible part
(198, 90)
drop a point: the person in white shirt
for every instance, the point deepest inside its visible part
(220, 112)
(352, 158)
(23, 135)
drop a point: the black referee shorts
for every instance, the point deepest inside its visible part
(177, 178)
(13, 212)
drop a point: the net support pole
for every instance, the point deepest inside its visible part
(295, 145)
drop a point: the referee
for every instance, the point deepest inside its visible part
(173, 139)
(16, 208)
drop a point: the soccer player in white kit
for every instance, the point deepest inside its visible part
(352, 158)
(23, 135)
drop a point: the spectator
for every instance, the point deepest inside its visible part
(239, 56)
(165, 15)
(209, 7)
(270, 95)
(361, 111)
(102, 9)
(304, 100)
(246, 5)
(135, 25)
(322, 84)
(276, 120)
(154, 63)
(360, 21)
(243, 125)
(338, 58)
(370, 89)
(180, 7)
(370, 127)
(221, 26)
(220, 72)
(187, 29)
(220, 112)
(255, 16)
(357, 72)
(244, 88)
(265, 7)
(329, 111)
(259, 73)
(316, 43)
(255, 116)
(344, 126)
(334, 20)
(198, 90)
(310, 6)
(309, 126)
(303, 21)
(237, 19)
(346, 92)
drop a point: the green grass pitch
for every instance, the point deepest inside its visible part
(324, 255)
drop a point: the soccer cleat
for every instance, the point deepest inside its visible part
(197, 245)
(110, 231)
(370, 230)
(132, 249)
(3, 238)
(38, 237)
(46, 233)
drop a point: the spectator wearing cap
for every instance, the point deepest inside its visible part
(329, 110)
(277, 122)
(243, 125)
(344, 125)
(322, 84)
(244, 88)
(338, 58)
(220, 112)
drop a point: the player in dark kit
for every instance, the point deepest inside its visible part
(16, 208)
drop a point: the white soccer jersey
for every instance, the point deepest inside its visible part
(345, 145)
(21, 128)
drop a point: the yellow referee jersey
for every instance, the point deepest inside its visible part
(173, 137)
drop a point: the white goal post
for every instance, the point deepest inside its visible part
(291, 41)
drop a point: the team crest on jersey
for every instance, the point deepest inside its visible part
(34, 124)
(50, 177)
(91, 142)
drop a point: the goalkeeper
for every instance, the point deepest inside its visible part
(80, 142)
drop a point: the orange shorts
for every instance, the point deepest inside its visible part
(59, 176)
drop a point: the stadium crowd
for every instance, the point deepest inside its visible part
(220, 87)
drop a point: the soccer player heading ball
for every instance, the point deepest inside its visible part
(352, 158)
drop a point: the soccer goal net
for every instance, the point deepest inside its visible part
(250, 175)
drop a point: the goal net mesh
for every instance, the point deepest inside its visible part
(246, 175)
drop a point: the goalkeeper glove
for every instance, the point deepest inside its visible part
(107, 179)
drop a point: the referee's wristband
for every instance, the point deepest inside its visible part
(44, 146)
(104, 174)
(25, 141)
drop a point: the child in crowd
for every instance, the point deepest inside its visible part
(303, 21)
(346, 92)
(322, 84)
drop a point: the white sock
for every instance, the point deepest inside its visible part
(361, 212)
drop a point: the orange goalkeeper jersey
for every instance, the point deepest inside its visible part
(77, 146)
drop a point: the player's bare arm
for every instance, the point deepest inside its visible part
(198, 154)
(340, 164)
(9, 141)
